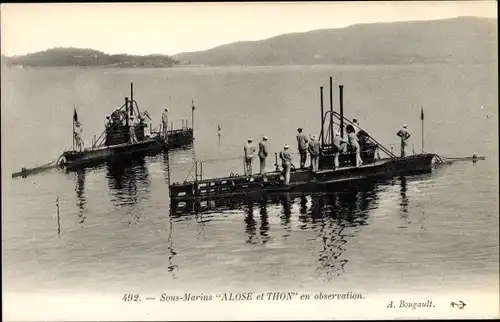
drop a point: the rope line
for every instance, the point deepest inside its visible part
(230, 158)
(383, 148)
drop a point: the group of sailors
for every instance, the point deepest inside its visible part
(117, 119)
(250, 150)
(305, 146)
(356, 141)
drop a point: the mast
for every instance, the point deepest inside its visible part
(192, 116)
(132, 99)
(322, 117)
(422, 121)
(126, 112)
(331, 111)
(341, 99)
(73, 121)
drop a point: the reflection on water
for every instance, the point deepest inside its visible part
(404, 198)
(250, 228)
(171, 253)
(340, 216)
(166, 167)
(336, 217)
(333, 239)
(128, 181)
(286, 213)
(175, 163)
(129, 178)
(80, 194)
(264, 220)
(322, 224)
(403, 203)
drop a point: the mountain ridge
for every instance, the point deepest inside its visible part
(468, 39)
(454, 40)
(86, 57)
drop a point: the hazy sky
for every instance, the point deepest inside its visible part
(176, 27)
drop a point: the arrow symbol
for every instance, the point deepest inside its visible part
(460, 305)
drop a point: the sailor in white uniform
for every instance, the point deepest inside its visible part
(133, 138)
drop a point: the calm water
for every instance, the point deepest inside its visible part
(436, 231)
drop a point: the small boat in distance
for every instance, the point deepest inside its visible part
(125, 136)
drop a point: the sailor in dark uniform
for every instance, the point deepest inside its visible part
(302, 147)
(340, 147)
(115, 116)
(361, 134)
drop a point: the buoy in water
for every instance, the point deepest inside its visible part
(474, 158)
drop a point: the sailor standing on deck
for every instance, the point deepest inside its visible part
(314, 151)
(116, 113)
(115, 116)
(302, 145)
(361, 134)
(107, 123)
(340, 146)
(353, 142)
(404, 135)
(286, 162)
(356, 124)
(133, 138)
(78, 135)
(249, 154)
(164, 121)
(263, 154)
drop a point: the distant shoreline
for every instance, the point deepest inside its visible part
(253, 66)
(18, 67)
(87, 58)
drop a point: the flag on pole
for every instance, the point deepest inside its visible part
(422, 113)
(192, 105)
(77, 131)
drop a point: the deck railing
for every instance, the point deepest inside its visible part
(235, 165)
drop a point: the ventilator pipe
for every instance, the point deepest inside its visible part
(192, 116)
(341, 103)
(322, 135)
(322, 116)
(131, 99)
(196, 171)
(422, 121)
(331, 110)
(126, 111)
